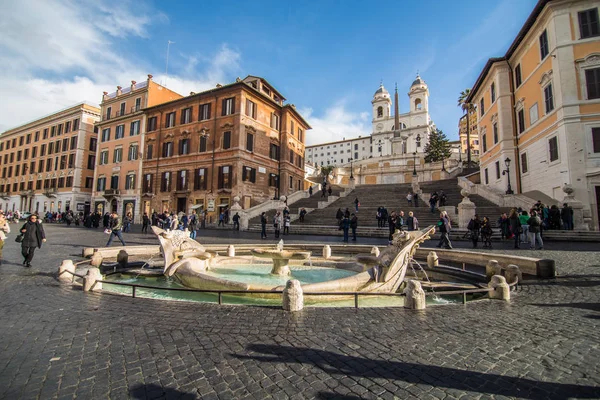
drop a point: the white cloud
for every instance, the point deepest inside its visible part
(57, 53)
(336, 123)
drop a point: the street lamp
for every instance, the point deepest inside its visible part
(443, 164)
(351, 171)
(507, 172)
(415, 163)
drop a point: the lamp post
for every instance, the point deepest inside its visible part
(415, 163)
(507, 172)
(351, 170)
(443, 165)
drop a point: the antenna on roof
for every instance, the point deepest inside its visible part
(169, 43)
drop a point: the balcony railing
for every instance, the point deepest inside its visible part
(50, 192)
(5, 195)
(27, 193)
(117, 114)
(112, 192)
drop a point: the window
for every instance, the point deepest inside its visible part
(74, 143)
(57, 146)
(225, 177)
(553, 148)
(120, 132)
(592, 82)
(484, 142)
(291, 156)
(134, 128)
(356, 147)
(28, 139)
(32, 167)
(273, 180)
(19, 155)
(71, 163)
(202, 144)
(52, 133)
(182, 181)
(524, 166)
(106, 134)
(122, 109)
(204, 112)
(170, 120)
(356, 155)
(151, 124)
(274, 121)
(544, 45)
(186, 115)
(493, 92)
(291, 182)
(250, 109)
(165, 182)
(44, 136)
(118, 155)
(596, 140)
(200, 179)
(149, 150)
(481, 107)
(101, 184)
(91, 161)
(61, 182)
(249, 142)
(37, 138)
(89, 181)
(301, 135)
(548, 98)
(533, 114)
(274, 152)
(497, 169)
(495, 126)
(228, 106)
(184, 147)
(58, 133)
(167, 150)
(588, 23)
(114, 182)
(108, 112)
(147, 183)
(521, 118)
(76, 124)
(379, 112)
(249, 174)
(132, 154)
(226, 140)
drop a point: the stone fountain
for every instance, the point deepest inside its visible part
(281, 258)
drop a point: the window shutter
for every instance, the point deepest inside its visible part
(181, 118)
(223, 105)
(253, 175)
(596, 139)
(209, 105)
(220, 177)
(233, 105)
(244, 174)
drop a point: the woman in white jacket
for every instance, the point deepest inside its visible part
(4, 230)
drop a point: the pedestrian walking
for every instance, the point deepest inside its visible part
(353, 225)
(535, 237)
(345, 227)
(356, 204)
(236, 222)
(33, 237)
(433, 201)
(193, 225)
(263, 225)
(503, 223)
(409, 198)
(287, 221)
(4, 230)
(416, 199)
(115, 228)
(474, 228)
(444, 227)
(145, 223)
(524, 217)
(486, 233)
(515, 227)
(277, 222)
(302, 214)
(310, 190)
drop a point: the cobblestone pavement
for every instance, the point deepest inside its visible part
(58, 342)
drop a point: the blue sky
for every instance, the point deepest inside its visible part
(326, 57)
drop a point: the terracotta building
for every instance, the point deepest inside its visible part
(48, 164)
(539, 109)
(473, 135)
(234, 140)
(117, 180)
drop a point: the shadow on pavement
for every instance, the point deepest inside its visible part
(583, 306)
(334, 363)
(153, 391)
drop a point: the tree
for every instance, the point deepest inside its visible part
(467, 108)
(326, 170)
(438, 147)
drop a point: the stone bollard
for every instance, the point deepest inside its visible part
(66, 271)
(375, 251)
(492, 268)
(546, 269)
(293, 298)
(501, 289)
(513, 274)
(415, 296)
(231, 251)
(433, 259)
(87, 252)
(122, 258)
(326, 251)
(90, 279)
(96, 260)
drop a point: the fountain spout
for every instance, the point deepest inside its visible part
(280, 245)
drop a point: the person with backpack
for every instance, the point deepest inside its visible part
(444, 227)
(515, 227)
(193, 225)
(535, 228)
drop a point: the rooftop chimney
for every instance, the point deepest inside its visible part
(192, 93)
(396, 110)
(219, 85)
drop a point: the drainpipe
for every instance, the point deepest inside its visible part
(158, 154)
(515, 128)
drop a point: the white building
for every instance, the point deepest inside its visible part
(392, 134)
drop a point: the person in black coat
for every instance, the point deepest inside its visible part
(33, 236)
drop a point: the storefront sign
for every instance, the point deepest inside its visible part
(211, 205)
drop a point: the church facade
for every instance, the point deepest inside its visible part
(393, 134)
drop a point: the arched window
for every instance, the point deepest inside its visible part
(417, 104)
(418, 140)
(379, 112)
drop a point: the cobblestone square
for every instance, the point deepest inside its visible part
(58, 342)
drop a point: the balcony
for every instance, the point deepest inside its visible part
(50, 192)
(111, 192)
(5, 195)
(27, 193)
(117, 114)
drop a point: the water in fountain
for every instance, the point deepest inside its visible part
(280, 245)
(435, 296)
(310, 260)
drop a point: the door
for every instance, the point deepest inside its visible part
(182, 204)
(113, 206)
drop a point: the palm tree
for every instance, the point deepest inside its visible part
(467, 108)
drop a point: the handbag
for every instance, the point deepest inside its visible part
(19, 238)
